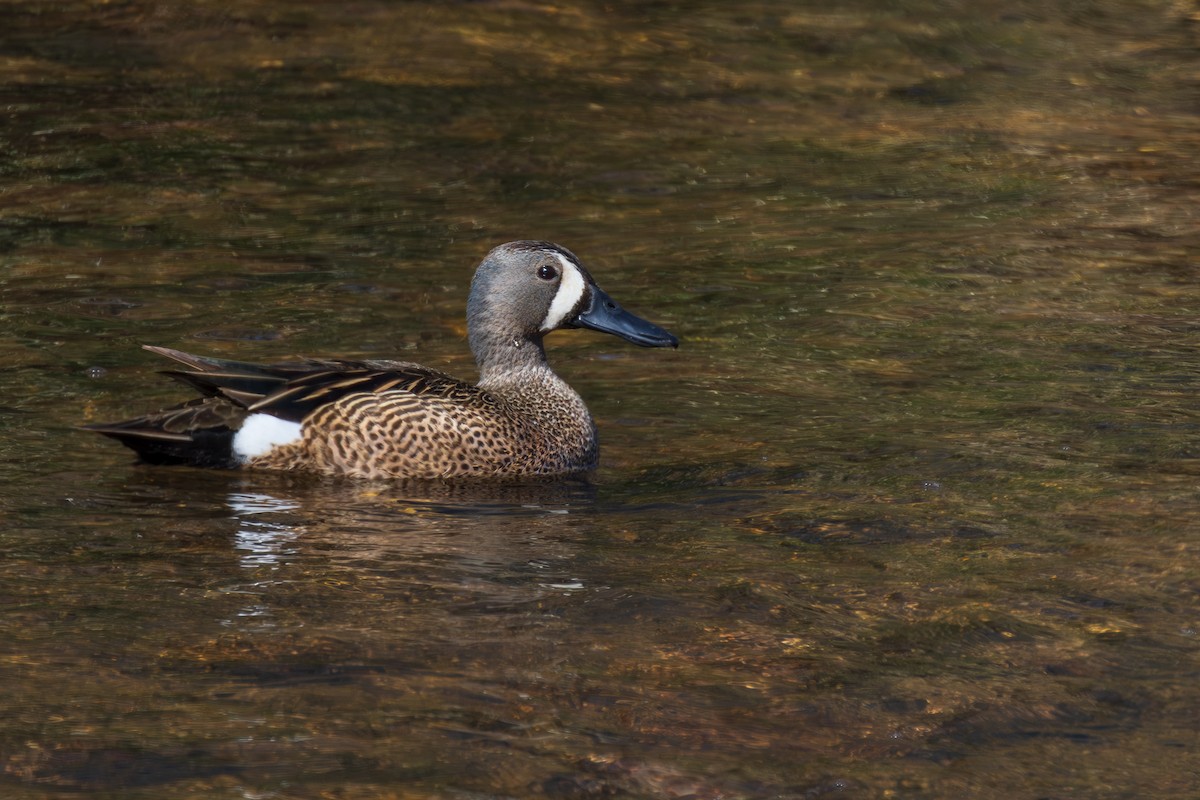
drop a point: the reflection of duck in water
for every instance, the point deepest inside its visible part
(382, 419)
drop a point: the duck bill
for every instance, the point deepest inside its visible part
(606, 315)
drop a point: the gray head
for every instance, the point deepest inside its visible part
(523, 290)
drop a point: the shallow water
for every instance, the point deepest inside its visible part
(911, 512)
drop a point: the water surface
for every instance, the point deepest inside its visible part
(911, 513)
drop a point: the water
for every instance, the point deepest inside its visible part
(911, 512)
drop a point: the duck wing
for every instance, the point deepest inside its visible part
(200, 432)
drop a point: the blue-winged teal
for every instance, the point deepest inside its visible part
(384, 419)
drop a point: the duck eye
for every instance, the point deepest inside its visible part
(547, 272)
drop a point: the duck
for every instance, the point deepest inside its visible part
(400, 420)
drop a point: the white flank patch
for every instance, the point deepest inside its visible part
(570, 290)
(262, 433)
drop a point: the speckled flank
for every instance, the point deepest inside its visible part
(535, 426)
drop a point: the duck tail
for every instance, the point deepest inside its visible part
(177, 435)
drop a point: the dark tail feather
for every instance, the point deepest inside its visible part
(201, 448)
(199, 432)
(206, 364)
(233, 385)
(271, 372)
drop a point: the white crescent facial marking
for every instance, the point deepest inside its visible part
(570, 291)
(262, 433)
